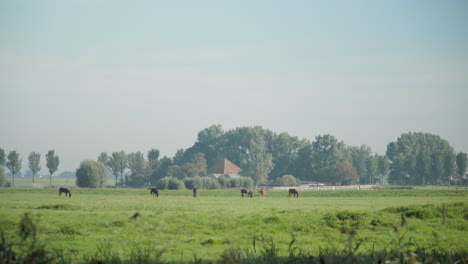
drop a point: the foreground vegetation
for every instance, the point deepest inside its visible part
(128, 225)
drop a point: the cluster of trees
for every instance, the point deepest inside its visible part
(14, 163)
(266, 157)
(422, 158)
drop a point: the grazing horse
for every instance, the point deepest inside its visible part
(293, 192)
(246, 191)
(154, 192)
(64, 190)
(262, 192)
(195, 192)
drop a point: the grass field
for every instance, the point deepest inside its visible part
(98, 223)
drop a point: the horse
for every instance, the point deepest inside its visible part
(293, 192)
(64, 190)
(246, 191)
(154, 192)
(195, 192)
(262, 192)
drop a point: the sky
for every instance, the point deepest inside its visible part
(83, 77)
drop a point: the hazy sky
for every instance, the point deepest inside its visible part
(83, 77)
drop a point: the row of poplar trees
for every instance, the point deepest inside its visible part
(13, 162)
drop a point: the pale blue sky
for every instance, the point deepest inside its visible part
(83, 77)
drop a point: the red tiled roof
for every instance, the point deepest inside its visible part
(224, 167)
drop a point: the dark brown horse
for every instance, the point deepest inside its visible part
(64, 190)
(154, 192)
(195, 192)
(293, 192)
(246, 191)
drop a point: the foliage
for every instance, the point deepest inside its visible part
(2, 176)
(13, 164)
(360, 156)
(170, 183)
(288, 180)
(341, 173)
(52, 163)
(103, 158)
(2, 157)
(117, 165)
(462, 162)
(91, 174)
(419, 159)
(34, 160)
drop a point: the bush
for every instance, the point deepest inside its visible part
(209, 183)
(169, 183)
(175, 184)
(223, 181)
(246, 182)
(91, 174)
(163, 183)
(288, 180)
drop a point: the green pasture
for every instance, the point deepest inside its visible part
(183, 228)
(45, 181)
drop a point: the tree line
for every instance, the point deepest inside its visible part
(14, 164)
(266, 156)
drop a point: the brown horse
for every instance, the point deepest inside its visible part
(293, 192)
(154, 192)
(64, 190)
(262, 192)
(195, 190)
(246, 191)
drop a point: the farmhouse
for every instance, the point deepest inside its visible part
(226, 168)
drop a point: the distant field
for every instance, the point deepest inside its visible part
(45, 181)
(203, 228)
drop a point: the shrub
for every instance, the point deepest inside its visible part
(288, 180)
(91, 174)
(162, 183)
(175, 184)
(246, 182)
(223, 181)
(234, 182)
(209, 183)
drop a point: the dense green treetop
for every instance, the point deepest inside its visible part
(420, 158)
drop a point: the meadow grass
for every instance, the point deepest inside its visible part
(120, 222)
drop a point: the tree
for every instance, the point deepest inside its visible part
(139, 170)
(2, 157)
(91, 174)
(2, 170)
(118, 164)
(103, 158)
(462, 161)
(420, 158)
(52, 164)
(326, 152)
(153, 160)
(260, 162)
(13, 164)
(383, 166)
(288, 180)
(360, 156)
(340, 173)
(371, 167)
(34, 160)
